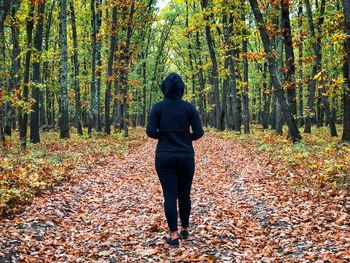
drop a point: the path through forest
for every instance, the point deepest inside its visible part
(112, 212)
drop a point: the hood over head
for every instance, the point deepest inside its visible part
(173, 86)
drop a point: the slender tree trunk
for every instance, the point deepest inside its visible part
(332, 121)
(145, 44)
(320, 111)
(144, 88)
(144, 92)
(260, 106)
(273, 118)
(53, 109)
(125, 71)
(3, 14)
(279, 118)
(10, 121)
(76, 72)
(266, 99)
(85, 114)
(317, 66)
(5, 89)
(234, 121)
(190, 57)
(110, 76)
(92, 109)
(97, 108)
(117, 105)
(279, 64)
(23, 117)
(15, 69)
(144, 56)
(46, 71)
(293, 128)
(64, 113)
(38, 43)
(246, 114)
(346, 96)
(215, 72)
(227, 80)
(42, 94)
(290, 60)
(300, 62)
(202, 105)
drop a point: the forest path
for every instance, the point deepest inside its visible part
(241, 212)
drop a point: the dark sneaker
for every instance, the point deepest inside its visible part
(184, 234)
(173, 242)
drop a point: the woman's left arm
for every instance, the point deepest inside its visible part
(152, 124)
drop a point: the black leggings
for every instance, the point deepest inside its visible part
(176, 175)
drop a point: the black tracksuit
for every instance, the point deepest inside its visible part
(169, 122)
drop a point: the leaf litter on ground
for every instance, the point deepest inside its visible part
(242, 212)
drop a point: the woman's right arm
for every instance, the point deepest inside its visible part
(197, 130)
(152, 124)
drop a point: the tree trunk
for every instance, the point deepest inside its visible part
(246, 114)
(190, 58)
(97, 113)
(274, 106)
(38, 44)
(317, 66)
(144, 92)
(279, 65)
(92, 109)
(49, 121)
(76, 72)
(234, 104)
(320, 111)
(143, 71)
(293, 128)
(346, 115)
(117, 105)
(266, 99)
(10, 121)
(110, 76)
(260, 109)
(3, 14)
(85, 114)
(144, 56)
(227, 80)
(64, 113)
(202, 104)
(332, 121)
(23, 116)
(279, 119)
(290, 61)
(215, 73)
(125, 71)
(300, 62)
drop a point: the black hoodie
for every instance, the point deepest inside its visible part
(170, 120)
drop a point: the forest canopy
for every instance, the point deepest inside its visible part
(76, 65)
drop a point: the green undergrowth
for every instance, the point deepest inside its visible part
(318, 158)
(25, 174)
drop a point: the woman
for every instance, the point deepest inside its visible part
(169, 122)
